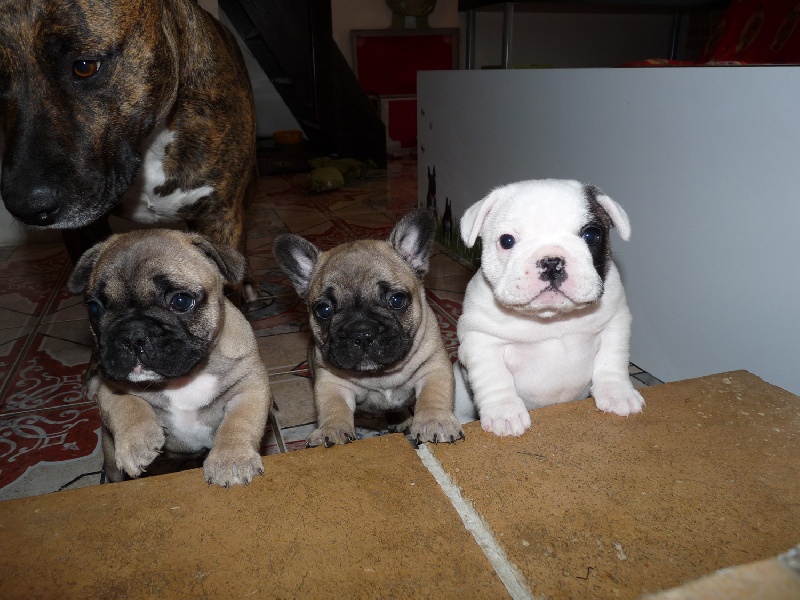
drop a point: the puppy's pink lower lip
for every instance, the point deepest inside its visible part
(138, 369)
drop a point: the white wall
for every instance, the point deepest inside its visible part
(703, 159)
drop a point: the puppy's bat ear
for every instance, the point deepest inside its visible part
(79, 279)
(297, 257)
(412, 238)
(472, 221)
(229, 261)
(618, 215)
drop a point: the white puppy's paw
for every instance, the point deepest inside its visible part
(505, 418)
(618, 397)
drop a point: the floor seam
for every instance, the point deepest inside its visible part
(505, 569)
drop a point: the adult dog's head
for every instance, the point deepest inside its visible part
(82, 85)
(546, 243)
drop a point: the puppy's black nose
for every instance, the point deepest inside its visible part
(553, 270)
(362, 333)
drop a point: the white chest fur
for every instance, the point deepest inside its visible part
(142, 203)
(185, 401)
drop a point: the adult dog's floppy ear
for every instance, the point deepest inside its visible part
(297, 257)
(412, 238)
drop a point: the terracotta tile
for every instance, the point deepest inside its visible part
(441, 265)
(277, 314)
(14, 319)
(366, 519)
(66, 307)
(27, 281)
(285, 353)
(592, 505)
(294, 401)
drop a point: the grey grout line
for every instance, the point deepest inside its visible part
(508, 573)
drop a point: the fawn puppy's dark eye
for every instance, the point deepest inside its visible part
(397, 300)
(181, 302)
(323, 310)
(95, 308)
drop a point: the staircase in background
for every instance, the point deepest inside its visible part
(293, 43)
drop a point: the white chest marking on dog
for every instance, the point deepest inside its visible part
(195, 393)
(141, 203)
(185, 400)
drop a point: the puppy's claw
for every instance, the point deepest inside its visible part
(329, 437)
(435, 427)
(232, 465)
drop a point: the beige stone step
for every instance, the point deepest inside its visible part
(585, 505)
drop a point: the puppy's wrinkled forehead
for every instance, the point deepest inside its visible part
(362, 265)
(156, 265)
(549, 205)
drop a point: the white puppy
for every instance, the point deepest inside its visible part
(545, 318)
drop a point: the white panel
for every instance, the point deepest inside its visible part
(705, 161)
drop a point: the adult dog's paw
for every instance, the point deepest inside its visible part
(618, 397)
(505, 418)
(330, 436)
(138, 446)
(436, 426)
(229, 465)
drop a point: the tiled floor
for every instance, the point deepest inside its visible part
(49, 431)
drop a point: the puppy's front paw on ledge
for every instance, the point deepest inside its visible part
(618, 397)
(232, 466)
(436, 426)
(507, 418)
(138, 446)
(330, 436)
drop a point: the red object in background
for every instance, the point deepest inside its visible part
(386, 61)
(400, 116)
(751, 32)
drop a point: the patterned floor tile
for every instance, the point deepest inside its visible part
(50, 375)
(67, 433)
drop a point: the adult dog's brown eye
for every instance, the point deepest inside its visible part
(84, 69)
